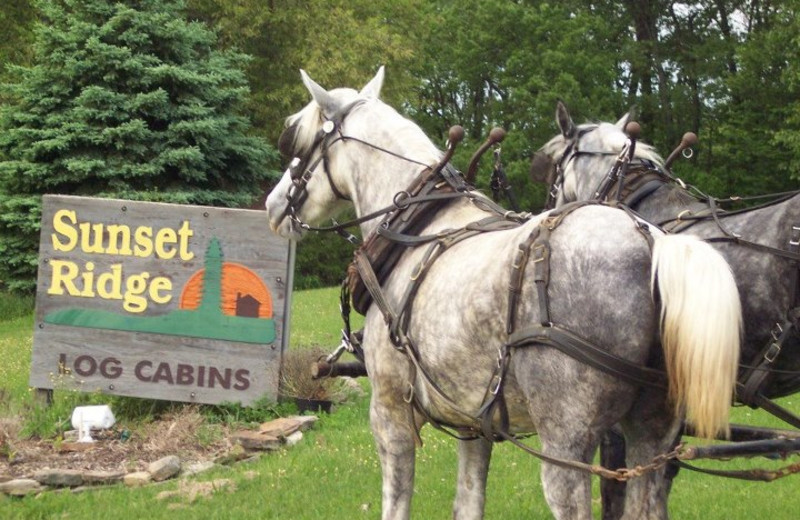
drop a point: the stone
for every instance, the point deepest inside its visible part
(102, 477)
(137, 478)
(21, 487)
(306, 421)
(167, 494)
(252, 440)
(66, 447)
(59, 477)
(196, 467)
(164, 468)
(282, 427)
(285, 426)
(294, 438)
(235, 454)
(5, 478)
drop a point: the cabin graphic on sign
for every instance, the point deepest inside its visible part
(224, 300)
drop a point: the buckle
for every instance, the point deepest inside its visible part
(795, 240)
(520, 258)
(772, 352)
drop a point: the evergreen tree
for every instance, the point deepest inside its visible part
(128, 99)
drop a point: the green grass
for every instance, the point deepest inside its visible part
(334, 472)
(316, 320)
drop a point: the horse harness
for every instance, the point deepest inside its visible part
(400, 230)
(631, 184)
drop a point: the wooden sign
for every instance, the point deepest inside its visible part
(164, 301)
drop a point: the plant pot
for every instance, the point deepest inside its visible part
(313, 405)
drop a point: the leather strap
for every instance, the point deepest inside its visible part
(582, 350)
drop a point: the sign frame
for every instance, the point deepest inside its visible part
(160, 301)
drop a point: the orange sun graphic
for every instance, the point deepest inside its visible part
(242, 292)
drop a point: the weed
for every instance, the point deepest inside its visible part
(13, 305)
(234, 414)
(208, 434)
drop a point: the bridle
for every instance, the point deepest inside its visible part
(614, 177)
(301, 170)
(571, 152)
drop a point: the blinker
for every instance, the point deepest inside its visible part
(295, 168)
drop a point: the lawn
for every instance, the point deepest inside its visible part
(334, 472)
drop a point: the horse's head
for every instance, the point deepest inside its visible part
(338, 137)
(575, 162)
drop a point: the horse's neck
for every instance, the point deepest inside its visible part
(667, 203)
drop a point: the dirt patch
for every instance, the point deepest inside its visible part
(184, 433)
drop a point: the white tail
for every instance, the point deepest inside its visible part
(701, 326)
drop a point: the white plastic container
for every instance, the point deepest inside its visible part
(84, 418)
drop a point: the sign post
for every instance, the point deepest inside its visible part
(163, 301)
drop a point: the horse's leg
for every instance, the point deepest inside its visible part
(571, 407)
(649, 431)
(567, 491)
(395, 442)
(612, 492)
(473, 468)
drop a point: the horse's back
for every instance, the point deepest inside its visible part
(597, 287)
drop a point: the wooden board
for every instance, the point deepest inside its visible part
(163, 301)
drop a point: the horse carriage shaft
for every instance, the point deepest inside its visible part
(744, 433)
(775, 447)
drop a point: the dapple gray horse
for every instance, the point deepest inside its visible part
(355, 149)
(753, 241)
(758, 243)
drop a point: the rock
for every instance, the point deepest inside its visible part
(235, 454)
(282, 427)
(76, 446)
(251, 440)
(59, 477)
(306, 421)
(167, 494)
(196, 467)
(21, 487)
(137, 478)
(164, 468)
(5, 478)
(285, 426)
(294, 438)
(102, 477)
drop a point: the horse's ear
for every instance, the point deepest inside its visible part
(624, 119)
(320, 95)
(564, 120)
(372, 90)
